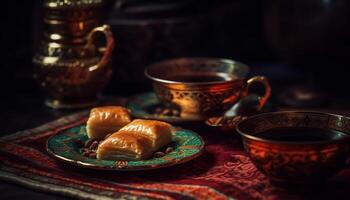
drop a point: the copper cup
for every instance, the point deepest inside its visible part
(302, 161)
(201, 99)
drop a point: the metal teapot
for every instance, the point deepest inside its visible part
(69, 65)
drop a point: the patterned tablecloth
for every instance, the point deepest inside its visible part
(223, 171)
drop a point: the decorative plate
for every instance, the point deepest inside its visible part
(144, 106)
(66, 147)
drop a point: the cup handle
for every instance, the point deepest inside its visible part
(106, 30)
(263, 99)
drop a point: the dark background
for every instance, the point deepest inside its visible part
(291, 42)
(236, 30)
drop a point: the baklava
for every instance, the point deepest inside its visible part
(106, 120)
(136, 141)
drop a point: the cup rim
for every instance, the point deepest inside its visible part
(260, 139)
(245, 67)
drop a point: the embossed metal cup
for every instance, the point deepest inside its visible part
(200, 99)
(297, 162)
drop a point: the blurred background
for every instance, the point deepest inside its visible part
(294, 42)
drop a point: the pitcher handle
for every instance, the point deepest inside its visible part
(106, 30)
(263, 99)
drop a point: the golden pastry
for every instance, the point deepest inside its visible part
(157, 132)
(124, 147)
(106, 120)
(136, 141)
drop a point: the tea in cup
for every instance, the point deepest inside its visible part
(203, 87)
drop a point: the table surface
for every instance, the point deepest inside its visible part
(24, 109)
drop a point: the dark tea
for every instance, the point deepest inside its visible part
(300, 134)
(201, 77)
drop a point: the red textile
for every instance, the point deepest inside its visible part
(223, 171)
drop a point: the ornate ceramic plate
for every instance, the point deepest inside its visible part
(64, 146)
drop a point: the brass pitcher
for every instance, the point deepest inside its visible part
(69, 67)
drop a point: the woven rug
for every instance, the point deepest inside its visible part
(223, 171)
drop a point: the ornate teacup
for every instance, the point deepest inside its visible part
(202, 87)
(297, 147)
